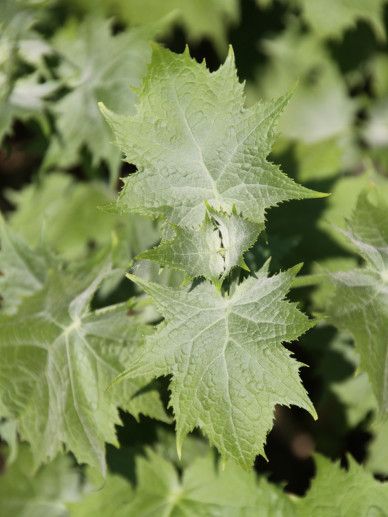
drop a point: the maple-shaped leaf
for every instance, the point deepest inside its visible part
(45, 493)
(96, 66)
(58, 359)
(360, 301)
(335, 491)
(211, 251)
(195, 143)
(202, 490)
(225, 354)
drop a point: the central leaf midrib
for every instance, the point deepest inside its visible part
(197, 146)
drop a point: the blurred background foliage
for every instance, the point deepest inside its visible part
(58, 166)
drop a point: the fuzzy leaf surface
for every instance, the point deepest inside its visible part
(212, 251)
(225, 354)
(194, 142)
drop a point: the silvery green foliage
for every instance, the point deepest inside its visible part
(196, 146)
(225, 354)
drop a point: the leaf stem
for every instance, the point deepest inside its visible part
(308, 280)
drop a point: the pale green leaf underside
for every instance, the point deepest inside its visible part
(360, 302)
(194, 143)
(211, 251)
(229, 368)
(58, 359)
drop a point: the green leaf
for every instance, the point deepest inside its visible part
(360, 301)
(46, 492)
(340, 205)
(377, 460)
(194, 144)
(70, 217)
(22, 270)
(8, 433)
(356, 396)
(203, 490)
(96, 66)
(335, 491)
(330, 18)
(21, 97)
(58, 359)
(200, 18)
(112, 499)
(320, 107)
(28, 99)
(228, 366)
(212, 251)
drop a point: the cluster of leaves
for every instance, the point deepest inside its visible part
(200, 334)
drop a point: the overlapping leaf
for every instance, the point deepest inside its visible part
(229, 368)
(200, 18)
(69, 217)
(22, 270)
(21, 96)
(58, 359)
(330, 18)
(24, 493)
(203, 490)
(335, 491)
(360, 302)
(320, 108)
(95, 66)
